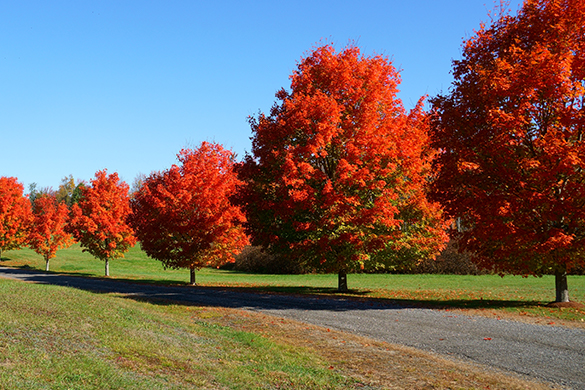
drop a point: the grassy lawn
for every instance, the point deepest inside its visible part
(54, 337)
(61, 338)
(491, 294)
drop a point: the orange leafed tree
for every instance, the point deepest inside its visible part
(15, 214)
(100, 218)
(511, 132)
(48, 229)
(338, 174)
(183, 216)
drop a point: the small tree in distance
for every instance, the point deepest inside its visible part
(99, 219)
(511, 134)
(34, 192)
(183, 216)
(47, 233)
(15, 214)
(76, 195)
(338, 174)
(65, 191)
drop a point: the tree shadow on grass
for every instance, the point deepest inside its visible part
(114, 278)
(27, 267)
(74, 273)
(297, 290)
(362, 295)
(332, 302)
(255, 297)
(356, 299)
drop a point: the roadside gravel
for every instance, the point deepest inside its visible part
(550, 353)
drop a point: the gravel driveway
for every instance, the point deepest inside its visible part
(550, 353)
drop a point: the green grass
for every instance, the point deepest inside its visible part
(511, 294)
(54, 337)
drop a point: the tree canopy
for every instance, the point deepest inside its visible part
(15, 214)
(510, 134)
(184, 217)
(100, 218)
(65, 191)
(338, 172)
(48, 229)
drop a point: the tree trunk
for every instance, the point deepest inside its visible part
(192, 274)
(107, 267)
(342, 281)
(0, 253)
(46, 264)
(561, 285)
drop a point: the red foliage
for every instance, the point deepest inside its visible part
(47, 233)
(511, 139)
(99, 220)
(339, 168)
(183, 216)
(15, 214)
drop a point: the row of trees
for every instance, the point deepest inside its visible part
(182, 216)
(46, 223)
(342, 178)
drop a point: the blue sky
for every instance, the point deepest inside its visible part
(125, 84)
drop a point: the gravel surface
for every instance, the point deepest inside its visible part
(550, 353)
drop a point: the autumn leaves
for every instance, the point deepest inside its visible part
(337, 180)
(100, 220)
(510, 135)
(15, 214)
(184, 217)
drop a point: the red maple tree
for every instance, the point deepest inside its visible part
(48, 229)
(15, 214)
(99, 219)
(183, 216)
(339, 169)
(511, 138)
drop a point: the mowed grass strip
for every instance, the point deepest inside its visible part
(523, 298)
(54, 337)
